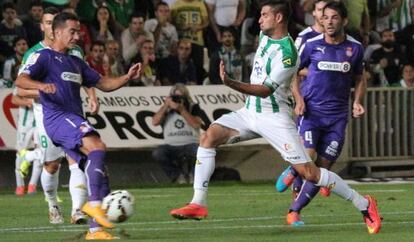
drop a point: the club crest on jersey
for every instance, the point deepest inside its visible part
(334, 66)
(348, 51)
(72, 77)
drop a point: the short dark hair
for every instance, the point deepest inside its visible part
(7, 5)
(231, 30)
(136, 15)
(98, 43)
(161, 3)
(317, 1)
(51, 10)
(279, 6)
(60, 20)
(35, 3)
(338, 7)
(17, 39)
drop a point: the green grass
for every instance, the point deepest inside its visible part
(238, 212)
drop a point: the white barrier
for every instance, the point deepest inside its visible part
(124, 118)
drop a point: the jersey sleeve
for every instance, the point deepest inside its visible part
(359, 65)
(304, 55)
(90, 77)
(36, 65)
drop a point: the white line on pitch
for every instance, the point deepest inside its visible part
(205, 222)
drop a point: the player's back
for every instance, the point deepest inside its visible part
(331, 69)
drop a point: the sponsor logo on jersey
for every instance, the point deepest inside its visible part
(72, 77)
(348, 51)
(258, 68)
(334, 66)
(59, 58)
(32, 59)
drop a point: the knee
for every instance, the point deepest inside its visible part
(310, 173)
(52, 167)
(207, 140)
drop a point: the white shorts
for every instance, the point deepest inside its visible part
(277, 128)
(49, 150)
(25, 128)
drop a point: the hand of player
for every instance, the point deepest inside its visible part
(223, 76)
(357, 110)
(300, 107)
(135, 71)
(47, 88)
(93, 106)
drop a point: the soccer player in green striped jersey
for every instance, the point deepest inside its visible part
(267, 114)
(49, 154)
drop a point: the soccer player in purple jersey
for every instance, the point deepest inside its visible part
(334, 60)
(308, 33)
(62, 76)
(316, 28)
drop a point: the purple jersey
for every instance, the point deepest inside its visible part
(68, 73)
(331, 69)
(304, 35)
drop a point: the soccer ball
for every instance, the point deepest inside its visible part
(118, 205)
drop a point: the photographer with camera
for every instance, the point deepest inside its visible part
(181, 121)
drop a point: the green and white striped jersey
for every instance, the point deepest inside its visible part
(275, 63)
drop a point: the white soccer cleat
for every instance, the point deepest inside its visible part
(79, 217)
(55, 215)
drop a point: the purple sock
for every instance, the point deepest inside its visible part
(297, 184)
(105, 186)
(95, 172)
(93, 224)
(308, 191)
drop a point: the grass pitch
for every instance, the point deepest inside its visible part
(237, 212)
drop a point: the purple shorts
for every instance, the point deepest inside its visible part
(325, 135)
(67, 132)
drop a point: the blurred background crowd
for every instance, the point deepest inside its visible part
(182, 41)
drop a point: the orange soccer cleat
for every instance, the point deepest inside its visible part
(98, 214)
(190, 211)
(371, 216)
(293, 218)
(19, 191)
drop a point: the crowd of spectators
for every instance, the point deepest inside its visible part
(182, 41)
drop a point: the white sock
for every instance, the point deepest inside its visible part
(19, 179)
(36, 171)
(32, 155)
(204, 168)
(77, 187)
(340, 187)
(50, 184)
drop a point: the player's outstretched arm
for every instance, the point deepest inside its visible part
(24, 81)
(246, 88)
(109, 84)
